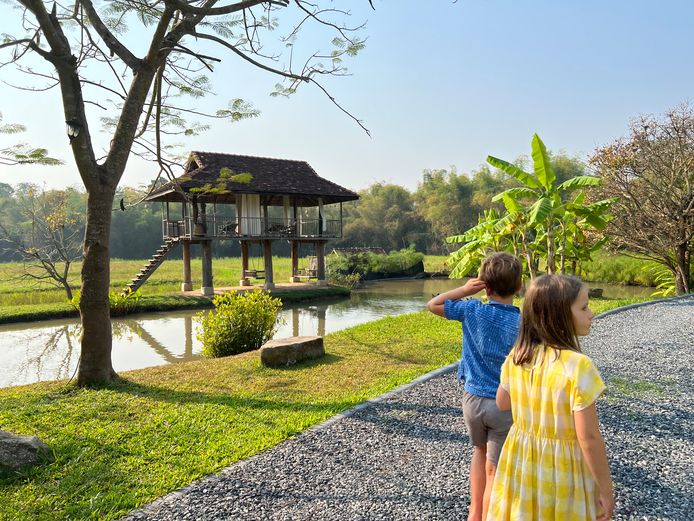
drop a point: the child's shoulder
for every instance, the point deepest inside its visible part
(575, 362)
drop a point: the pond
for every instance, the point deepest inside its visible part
(49, 350)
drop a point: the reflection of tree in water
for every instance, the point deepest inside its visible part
(58, 345)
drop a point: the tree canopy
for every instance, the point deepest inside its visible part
(651, 174)
(136, 68)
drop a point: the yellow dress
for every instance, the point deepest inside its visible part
(542, 474)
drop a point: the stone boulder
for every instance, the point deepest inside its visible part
(280, 352)
(18, 452)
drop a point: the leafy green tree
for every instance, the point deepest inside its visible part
(146, 63)
(136, 226)
(386, 217)
(651, 174)
(444, 201)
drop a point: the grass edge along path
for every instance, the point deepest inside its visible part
(161, 428)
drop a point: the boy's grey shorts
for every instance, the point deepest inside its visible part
(486, 424)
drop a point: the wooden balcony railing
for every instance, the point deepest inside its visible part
(271, 228)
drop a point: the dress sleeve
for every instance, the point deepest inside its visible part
(587, 384)
(505, 372)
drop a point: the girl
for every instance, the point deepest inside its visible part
(553, 465)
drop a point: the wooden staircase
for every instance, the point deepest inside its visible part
(150, 267)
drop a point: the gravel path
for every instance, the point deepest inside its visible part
(406, 455)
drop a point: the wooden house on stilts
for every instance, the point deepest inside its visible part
(253, 200)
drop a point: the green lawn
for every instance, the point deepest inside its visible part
(166, 279)
(160, 428)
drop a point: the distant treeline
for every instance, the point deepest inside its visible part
(387, 215)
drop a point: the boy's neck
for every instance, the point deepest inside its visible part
(498, 298)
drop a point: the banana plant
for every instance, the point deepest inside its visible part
(540, 197)
(490, 234)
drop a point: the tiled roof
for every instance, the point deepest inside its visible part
(270, 177)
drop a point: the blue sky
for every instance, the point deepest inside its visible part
(439, 86)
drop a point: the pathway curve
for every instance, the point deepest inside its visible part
(406, 455)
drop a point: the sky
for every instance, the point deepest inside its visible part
(438, 86)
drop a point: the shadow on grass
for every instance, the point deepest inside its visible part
(326, 359)
(383, 349)
(254, 400)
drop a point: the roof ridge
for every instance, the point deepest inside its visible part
(253, 157)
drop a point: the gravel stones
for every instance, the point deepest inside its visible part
(406, 456)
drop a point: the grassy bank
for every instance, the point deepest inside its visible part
(160, 428)
(31, 312)
(15, 291)
(166, 280)
(605, 267)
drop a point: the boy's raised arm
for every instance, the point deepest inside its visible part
(472, 286)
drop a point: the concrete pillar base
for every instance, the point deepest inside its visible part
(207, 291)
(187, 286)
(269, 285)
(244, 282)
(294, 279)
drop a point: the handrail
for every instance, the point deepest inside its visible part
(213, 227)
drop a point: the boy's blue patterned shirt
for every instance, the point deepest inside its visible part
(489, 332)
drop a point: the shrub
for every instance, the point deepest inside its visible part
(240, 322)
(120, 304)
(365, 263)
(335, 278)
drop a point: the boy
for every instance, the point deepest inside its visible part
(489, 332)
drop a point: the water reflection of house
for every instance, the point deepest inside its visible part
(254, 200)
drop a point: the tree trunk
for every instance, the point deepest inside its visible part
(68, 289)
(95, 355)
(683, 269)
(551, 264)
(562, 261)
(529, 257)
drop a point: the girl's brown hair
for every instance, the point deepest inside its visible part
(547, 317)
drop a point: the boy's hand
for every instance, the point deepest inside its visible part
(437, 304)
(473, 286)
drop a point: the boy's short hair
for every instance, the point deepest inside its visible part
(501, 272)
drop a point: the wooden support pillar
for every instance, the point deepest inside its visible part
(295, 262)
(244, 264)
(320, 259)
(188, 324)
(187, 284)
(267, 251)
(321, 320)
(207, 287)
(266, 224)
(295, 322)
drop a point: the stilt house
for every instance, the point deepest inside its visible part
(253, 200)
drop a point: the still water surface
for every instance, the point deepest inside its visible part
(49, 350)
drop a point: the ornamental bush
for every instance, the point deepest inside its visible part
(240, 322)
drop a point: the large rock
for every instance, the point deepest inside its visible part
(281, 352)
(18, 452)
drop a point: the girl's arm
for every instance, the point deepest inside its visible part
(503, 399)
(593, 448)
(472, 286)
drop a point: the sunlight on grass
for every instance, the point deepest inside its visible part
(160, 428)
